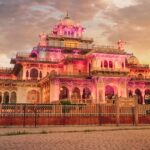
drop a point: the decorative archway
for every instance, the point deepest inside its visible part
(6, 98)
(34, 74)
(13, 97)
(76, 93)
(109, 92)
(139, 95)
(33, 97)
(64, 93)
(86, 93)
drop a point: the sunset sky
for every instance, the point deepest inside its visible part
(106, 21)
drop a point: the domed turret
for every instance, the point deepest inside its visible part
(68, 21)
(68, 28)
(133, 60)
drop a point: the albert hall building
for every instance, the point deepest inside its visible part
(65, 65)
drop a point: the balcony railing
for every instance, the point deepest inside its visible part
(108, 49)
(75, 56)
(77, 75)
(76, 38)
(23, 55)
(139, 66)
(6, 69)
(111, 69)
(37, 59)
(140, 79)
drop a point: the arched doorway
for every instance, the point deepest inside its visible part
(139, 95)
(86, 93)
(147, 96)
(76, 93)
(109, 92)
(13, 97)
(6, 98)
(33, 97)
(1, 98)
(34, 74)
(64, 93)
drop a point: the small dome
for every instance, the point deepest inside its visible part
(68, 21)
(133, 60)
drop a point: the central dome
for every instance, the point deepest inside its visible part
(68, 21)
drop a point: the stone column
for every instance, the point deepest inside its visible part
(143, 95)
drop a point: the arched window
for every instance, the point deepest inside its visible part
(76, 93)
(6, 98)
(110, 64)
(65, 33)
(86, 93)
(139, 95)
(64, 93)
(105, 64)
(109, 92)
(13, 97)
(147, 96)
(1, 98)
(34, 73)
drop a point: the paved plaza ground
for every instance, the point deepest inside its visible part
(76, 138)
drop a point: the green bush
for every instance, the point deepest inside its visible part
(65, 102)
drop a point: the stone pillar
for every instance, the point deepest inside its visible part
(24, 73)
(143, 95)
(70, 93)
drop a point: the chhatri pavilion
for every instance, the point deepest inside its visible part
(65, 65)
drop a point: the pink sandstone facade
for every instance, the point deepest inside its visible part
(68, 66)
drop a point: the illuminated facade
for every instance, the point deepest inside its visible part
(67, 66)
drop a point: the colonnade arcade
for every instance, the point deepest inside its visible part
(142, 94)
(98, 62)
(76, 94)
(7, 97)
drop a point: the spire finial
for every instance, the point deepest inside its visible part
(67, 15)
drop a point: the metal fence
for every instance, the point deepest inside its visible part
(81, 114)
